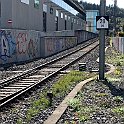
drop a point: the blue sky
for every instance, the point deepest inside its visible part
(119, 2)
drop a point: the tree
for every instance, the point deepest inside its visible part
(123, 28)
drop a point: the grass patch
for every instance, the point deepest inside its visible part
(112, 79)
(101, 95)
(116, 59)
(105, 104)
(74, 104)
(118, 71)
(80, 112)
(65, 83)
(19, 121)
(118, 99)
(58, 89)
(84, 113)
(118, 110)
(37, 105)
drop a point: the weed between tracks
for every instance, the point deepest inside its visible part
(59, 90)
(65, 83)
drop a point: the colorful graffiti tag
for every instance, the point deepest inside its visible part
(31, 49)
(21, 43)
(7, 45)
(17, 45)
(50, 45)
(26, 45)
(56, 44)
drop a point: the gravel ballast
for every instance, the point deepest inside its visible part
(99, 102)
(18, 109)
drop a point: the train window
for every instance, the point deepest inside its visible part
(44, 21)
(25, 1)
(61, 15)
(36, 4)
(44, 7)
(56, 23)
(65, 17)
(57, 13)
(74, 20)
(51, 10)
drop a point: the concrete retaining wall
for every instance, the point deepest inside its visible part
(118, 43)
(83, 35)
(24, 45)
(19, 45)
(52, 45)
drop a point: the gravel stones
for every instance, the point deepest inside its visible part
(105, 99)
(11, 115)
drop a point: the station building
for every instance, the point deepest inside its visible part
(42, 15)
(91, 20)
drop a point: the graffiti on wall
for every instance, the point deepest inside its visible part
(49, 45)
(32, 49)
(57, 44)
(18, 45)
(70, 42)
(26, 45)
(21, 43)
(7, 45)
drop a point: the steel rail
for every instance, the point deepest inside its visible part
(23, 88)
(30, 71)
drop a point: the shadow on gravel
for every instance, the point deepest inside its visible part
(116, 91)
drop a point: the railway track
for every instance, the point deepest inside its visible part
(14, 70)
(18, 85)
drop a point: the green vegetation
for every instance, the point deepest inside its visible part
(118, 99)
(74, 104)
(80, 112)
(19, 121)
(37, 105)
(118, 110)
(101, 95)
(118, 71)
(105, 104)
(111, 79)
(83, 118)
(58, 89)
(118, 60)
(121, 34)
(65, 83)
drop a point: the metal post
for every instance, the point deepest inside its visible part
(114, 25)
(102, 44)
